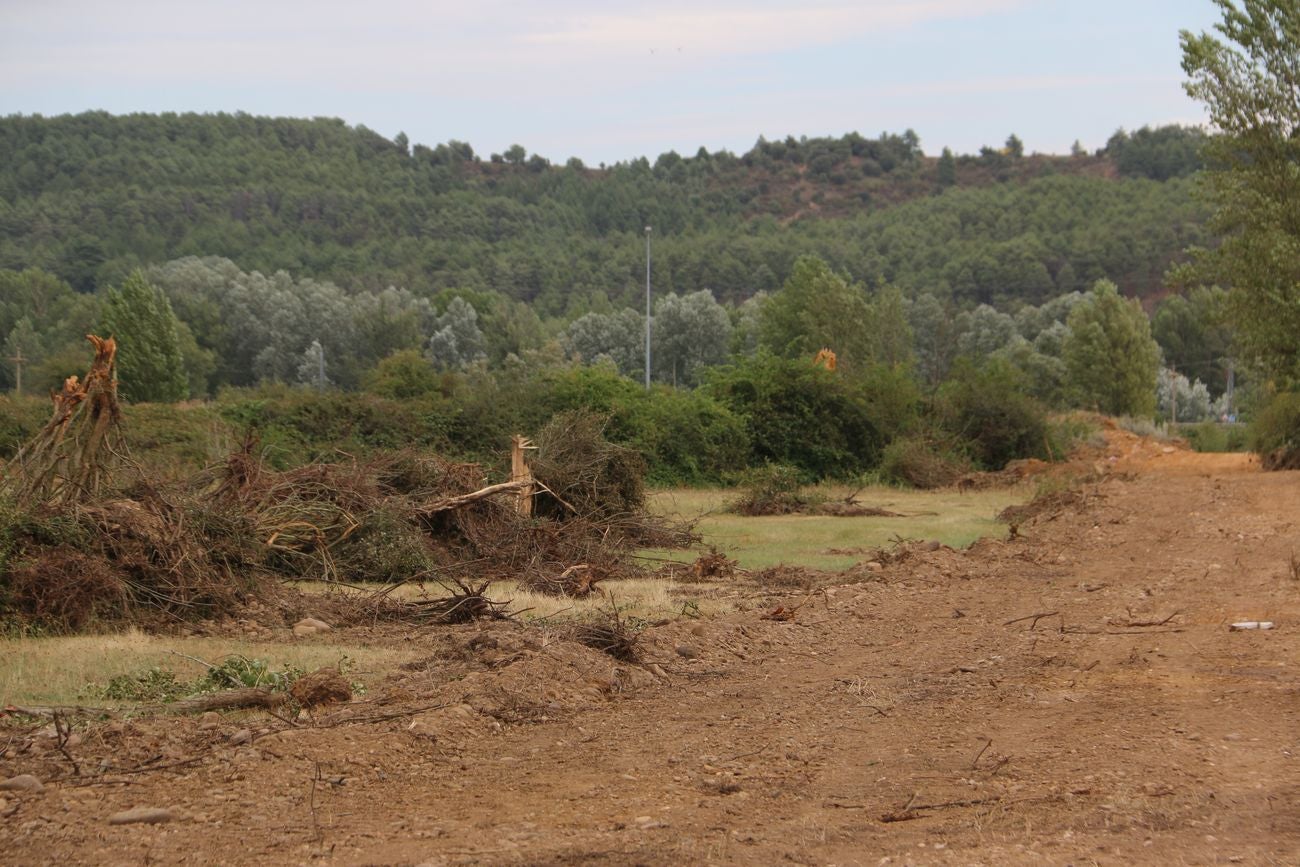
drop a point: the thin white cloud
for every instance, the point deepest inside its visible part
(729, 28)
(403, 42)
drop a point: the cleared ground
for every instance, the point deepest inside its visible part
(1071, 695)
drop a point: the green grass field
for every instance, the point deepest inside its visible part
(953, 518)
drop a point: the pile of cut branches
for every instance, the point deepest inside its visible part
(75, 549)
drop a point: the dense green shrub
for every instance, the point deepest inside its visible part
(987, 408)
(1067, 432)
(298, 425)
(1275, 433)
(404, 375)
(774, 489)
(686, 437)
(20, 419)
(800, 414)
(893, 398)
(1213, 436)
(173, 440)
(923, 461)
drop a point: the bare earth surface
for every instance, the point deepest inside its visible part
(1071, 695)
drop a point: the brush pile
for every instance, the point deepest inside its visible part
(79, 546)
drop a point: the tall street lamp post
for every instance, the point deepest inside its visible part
(647, 308)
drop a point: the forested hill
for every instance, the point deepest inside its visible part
(90, 196)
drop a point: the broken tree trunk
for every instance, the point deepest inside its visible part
(68, 459)
(520, 472)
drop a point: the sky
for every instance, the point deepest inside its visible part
(609, 81)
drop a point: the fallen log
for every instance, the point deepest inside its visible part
(230, 699)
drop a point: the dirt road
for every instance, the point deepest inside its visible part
(1073, 695)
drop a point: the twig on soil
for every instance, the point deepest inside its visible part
(62, 731)
(975, 761)
(917, 812)
(1131, 622)
(311, 802)
(50, 711)
(380, 717)
(145, 767)
(1080, 630)
(1033, 617)
(202, 662)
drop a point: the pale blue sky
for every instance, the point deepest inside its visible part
(609, 81)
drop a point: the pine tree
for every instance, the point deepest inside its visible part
(947, 168)
(149, 363)
(1110, 354)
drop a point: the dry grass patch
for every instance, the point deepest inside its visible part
(645, 598)
(73, 669)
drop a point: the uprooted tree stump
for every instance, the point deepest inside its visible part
(322, 686)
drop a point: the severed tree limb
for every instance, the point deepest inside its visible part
(448, 503)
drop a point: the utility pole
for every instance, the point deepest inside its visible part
(647, 308)
(18, 359)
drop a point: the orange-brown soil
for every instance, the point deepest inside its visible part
(1070, 695)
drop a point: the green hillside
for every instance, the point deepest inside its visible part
(89, 197)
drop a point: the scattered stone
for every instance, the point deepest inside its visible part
(242, 736)
(142, 816)
(322, 686)
(687, 652)
(720, 785)
(22, 783)
(309, 626)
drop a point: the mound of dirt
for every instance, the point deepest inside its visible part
(1051, 503)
